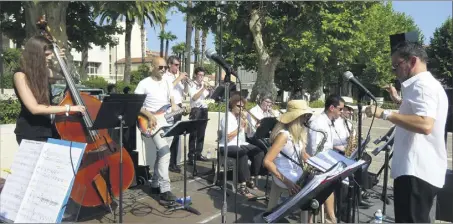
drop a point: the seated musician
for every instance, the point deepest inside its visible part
(344, 129)
(32, 87)
(199, 110)
(238, 148)
(324, 122)
(289, 138)
(158, 94)
(261, 110)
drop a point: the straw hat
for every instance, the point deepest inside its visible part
(349, 102)
(295, 109)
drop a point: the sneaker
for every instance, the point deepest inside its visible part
(167, 196)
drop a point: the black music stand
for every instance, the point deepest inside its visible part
(262, 132)
(184, 128)
(317, 196)
(119, 110)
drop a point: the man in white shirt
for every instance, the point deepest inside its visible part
(158, 94)
(261, 110)
(199, 110)
(419, 160)
(180, 89)
(324, 122)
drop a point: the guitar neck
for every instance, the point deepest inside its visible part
(171, 114)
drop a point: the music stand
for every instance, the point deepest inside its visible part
(118, 110)
(262, 132)
(184, 128)
(320, 193)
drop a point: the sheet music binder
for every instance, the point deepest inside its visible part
(25, 180)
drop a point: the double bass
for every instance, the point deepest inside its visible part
(97, 181)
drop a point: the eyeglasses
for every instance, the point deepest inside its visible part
(176, 64)
(162, 67)
(267, 101)
(240, 106)
(394, 67)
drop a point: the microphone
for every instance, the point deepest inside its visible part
(350, 77)
(212, 54)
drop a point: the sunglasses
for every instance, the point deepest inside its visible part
(240, 106)
(394, 67)
(162, 67)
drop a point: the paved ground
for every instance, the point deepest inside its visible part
(139, 206)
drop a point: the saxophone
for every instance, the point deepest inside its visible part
(351, 140)
(309, 171)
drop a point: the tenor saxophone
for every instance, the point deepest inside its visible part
(351, 140)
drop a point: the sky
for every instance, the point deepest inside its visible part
(428, 15)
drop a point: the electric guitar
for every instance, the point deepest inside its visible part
(164, 118)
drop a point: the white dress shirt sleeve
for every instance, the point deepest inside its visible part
(140, 89)
(424, 101)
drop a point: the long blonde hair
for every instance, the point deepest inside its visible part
(297, 131)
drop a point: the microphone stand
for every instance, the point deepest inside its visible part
(227, 81)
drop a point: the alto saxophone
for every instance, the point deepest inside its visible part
(308, 170)
(351, 140)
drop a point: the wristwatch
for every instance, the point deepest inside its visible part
(386, 114)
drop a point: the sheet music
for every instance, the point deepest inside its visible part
(50, 184)
(326, 159)
(309, 187)
(17, 182)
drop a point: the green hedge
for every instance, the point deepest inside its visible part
(9, 112)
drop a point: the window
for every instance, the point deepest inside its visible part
(92, 67)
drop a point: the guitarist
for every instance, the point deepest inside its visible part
(180, 89)
(158, 94)
(198, 93)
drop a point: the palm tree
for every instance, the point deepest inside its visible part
(196, 51)
(204, 35)
(168, 37)
(154, 12)
(189, 27)
(179, 50)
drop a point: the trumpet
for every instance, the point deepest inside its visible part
(188, 81)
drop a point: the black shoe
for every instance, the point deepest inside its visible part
(202, 158)
(155, 190)
(167, 196)
(174, 169)
(365, 204)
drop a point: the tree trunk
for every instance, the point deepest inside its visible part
(266, 64)
(162, 34)
(197, 47)
(167, 42)
(143, 38)
(203, 46)
(56, 21)
(127, 65)
(189, 27)
(84, 64)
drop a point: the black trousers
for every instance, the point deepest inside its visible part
(196, 138)
(175, 142)
(244, 153)
(413, 199)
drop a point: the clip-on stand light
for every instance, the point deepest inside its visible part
(119, 110)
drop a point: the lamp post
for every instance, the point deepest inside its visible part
(221, 17)
(116, 60)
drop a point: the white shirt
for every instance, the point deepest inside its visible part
(157, 93)
(232, 126)
(259, 114)
(178, 90)
(340, 138)
(285, 166)
(419, 155)
(200, 103)
(323, 123)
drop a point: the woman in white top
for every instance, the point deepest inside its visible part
(289, 137)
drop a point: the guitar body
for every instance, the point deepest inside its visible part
(71, 128)
(164, 119)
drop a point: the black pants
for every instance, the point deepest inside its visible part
(413, 199)
(196, 138)
(175, 143)
(244, 153)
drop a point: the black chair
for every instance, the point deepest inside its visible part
(265, 143)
